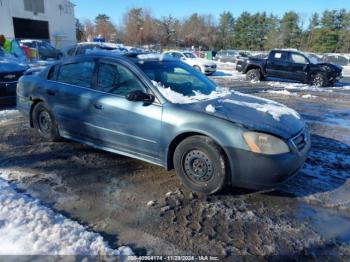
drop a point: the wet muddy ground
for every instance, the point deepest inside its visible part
(141, 205)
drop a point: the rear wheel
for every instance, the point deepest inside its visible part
(319, 80)
(254, 75)
(44, 122)
(200, 164)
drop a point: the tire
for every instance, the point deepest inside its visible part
(319, 80)
(44, 122)
(254, 75)
(200, 165)
(197, 68)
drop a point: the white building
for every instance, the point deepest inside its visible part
(51, 20)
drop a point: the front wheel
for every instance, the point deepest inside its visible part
(44, 122)
(200, 164)
(319, 80)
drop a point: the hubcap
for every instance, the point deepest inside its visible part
(45, 122)
(198, 167)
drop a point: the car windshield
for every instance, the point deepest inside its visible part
(179, 77)
(190, 55)
(313, 58)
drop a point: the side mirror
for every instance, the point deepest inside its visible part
(183, 58)
(139, 96)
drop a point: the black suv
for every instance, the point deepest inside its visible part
(11, 69)
(292, 65)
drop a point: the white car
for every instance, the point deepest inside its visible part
(203, 65)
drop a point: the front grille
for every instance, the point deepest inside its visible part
(301, 140)
(10, 76)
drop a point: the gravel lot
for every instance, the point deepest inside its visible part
(142, 206)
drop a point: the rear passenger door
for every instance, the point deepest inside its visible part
(277, 64)
(298, 67)
(69, 95)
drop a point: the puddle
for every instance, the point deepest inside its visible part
(329, 224)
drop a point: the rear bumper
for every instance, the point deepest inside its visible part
(257, 171)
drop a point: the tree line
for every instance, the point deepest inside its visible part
(326, 32)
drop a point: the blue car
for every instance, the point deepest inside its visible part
(160, 110)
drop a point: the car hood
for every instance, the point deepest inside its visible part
(253, 113)
(11, 65)
(331, 67)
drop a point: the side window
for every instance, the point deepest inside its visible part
(177, 55)
(117, 79)
(299, 59)
(79, 74)
(71, 51)
(51, 74)
(280, 56)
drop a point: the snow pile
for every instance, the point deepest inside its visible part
(281, 92)
(210, 109)
(308, 96)
(178, 98)
(276, 110)
(29, 228)
(6, 115)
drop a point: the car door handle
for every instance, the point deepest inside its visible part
(98, 106)
(50, 92)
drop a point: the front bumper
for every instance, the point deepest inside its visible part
(257, 171)
(209, 70)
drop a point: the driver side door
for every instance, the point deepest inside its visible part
(120, 124)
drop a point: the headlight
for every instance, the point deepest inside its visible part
(265, 144)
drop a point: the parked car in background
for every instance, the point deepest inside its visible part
(227, 56)
(11, 69)
(337, 59)
(165, 112)
(84, 48)
(292, 65)
(202, 65)
(40, 50)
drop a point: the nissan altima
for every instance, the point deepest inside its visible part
(163, 111)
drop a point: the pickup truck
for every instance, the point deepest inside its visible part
(293, 65)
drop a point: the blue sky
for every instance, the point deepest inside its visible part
(182, 8)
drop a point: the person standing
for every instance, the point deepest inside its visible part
(5, 44)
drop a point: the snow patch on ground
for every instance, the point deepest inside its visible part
(6, 115)
(281, 92)
(29, 228)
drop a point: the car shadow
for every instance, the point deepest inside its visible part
(326, 169)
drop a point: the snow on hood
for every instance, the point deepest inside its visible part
(250, 111)
(276, 110)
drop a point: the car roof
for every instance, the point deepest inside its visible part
(136, 57)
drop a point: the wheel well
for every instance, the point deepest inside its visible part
(34, 103)
(177, 140)
(252, 67)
